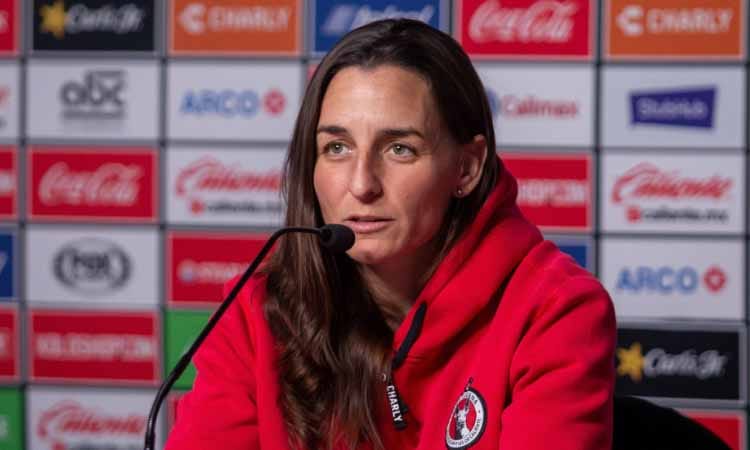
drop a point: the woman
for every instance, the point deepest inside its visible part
(449, 323)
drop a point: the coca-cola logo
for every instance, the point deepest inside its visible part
(92, 266)
(209, 175)
(544, 21)
(646, 180)
(110, 184)
(70, 417)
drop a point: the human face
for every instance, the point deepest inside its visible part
(384, 167)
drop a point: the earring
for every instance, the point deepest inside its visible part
(459, 192)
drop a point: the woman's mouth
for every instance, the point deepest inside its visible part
(367, 224)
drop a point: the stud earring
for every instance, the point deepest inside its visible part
(459, 192)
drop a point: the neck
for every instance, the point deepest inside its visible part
(395, 285)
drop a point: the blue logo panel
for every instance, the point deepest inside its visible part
(333, 19)
(580, 250)
(692, 108)
(7, 263)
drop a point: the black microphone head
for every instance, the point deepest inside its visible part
(336, 238)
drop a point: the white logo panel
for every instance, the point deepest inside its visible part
(540, 105)
(96, 266)
(9, 100)
(674, 278)
(224, 186)
(79, 418)
(672, 107)
(233, 101)
(674, 192)
(92, 99)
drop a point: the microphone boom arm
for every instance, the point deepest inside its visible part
(184, 361)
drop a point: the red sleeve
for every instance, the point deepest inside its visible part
(562, 374)
(220, 411)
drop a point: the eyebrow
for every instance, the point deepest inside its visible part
(386, 132)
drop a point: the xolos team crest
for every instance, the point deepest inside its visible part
(467, 420)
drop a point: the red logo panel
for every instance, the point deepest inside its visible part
(728, 425)
(9, 355)
(9, 15)
(108, 183)
(200, 264)
(8, 183)
(526, 28)
(92, 346)
(554, 190)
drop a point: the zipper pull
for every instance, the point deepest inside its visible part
(398, 408)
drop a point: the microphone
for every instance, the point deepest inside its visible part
(336, 238)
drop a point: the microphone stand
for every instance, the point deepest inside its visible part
(331, 236)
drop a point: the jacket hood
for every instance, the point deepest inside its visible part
(472, 272)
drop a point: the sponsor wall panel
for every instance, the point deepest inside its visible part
(673, 192)
(526, 29)
(92, 99)
(92, 266)
(180, 330)
(233, 101)
(94, 347)
(112, 184)
(235, 27)
(657, 278)
(674, 29)
(701, 366)
(216, 185)
(554, 189)
(117, 418)
(527, 98)
(199, 264)
(10, 98)
(8, 264)
(11, 419)
(730, 426)
(8, 183)
(93, 25)
(10, 355)
(330, 20)
(670, 106)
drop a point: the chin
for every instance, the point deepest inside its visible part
(367, 255)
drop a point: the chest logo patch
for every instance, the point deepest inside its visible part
(467, 421)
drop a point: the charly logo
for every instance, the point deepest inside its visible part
(92, 266)
(98, 96)
(688, 107)
(468, 420)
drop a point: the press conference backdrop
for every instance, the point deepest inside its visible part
(141, 144)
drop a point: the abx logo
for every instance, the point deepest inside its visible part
(668, 280)
(97, 96)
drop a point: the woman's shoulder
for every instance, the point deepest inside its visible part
(548, 276)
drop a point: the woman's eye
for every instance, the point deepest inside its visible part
(401, 150)
(335, 148)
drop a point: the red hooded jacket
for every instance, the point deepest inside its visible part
(516, 352)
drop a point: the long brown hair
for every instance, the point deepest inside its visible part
(334, 341)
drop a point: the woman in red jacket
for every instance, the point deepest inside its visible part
(450, 323)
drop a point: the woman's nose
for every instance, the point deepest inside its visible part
(365, 181)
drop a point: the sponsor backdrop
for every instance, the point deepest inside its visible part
(141, 144)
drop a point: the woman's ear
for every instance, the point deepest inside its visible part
(473, 155)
